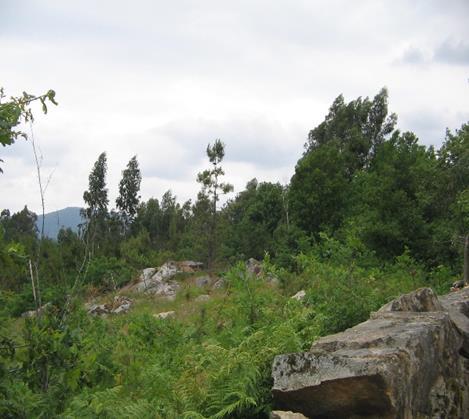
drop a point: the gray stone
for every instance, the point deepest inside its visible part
(202, 281)
(398, 364)
(190, 266)
(202, 298)
(299, 296)
(147, 273)
(254, 266)
(119, 305)
(160, 282)
(219, 284)
(99, 310)
(458, 285)
(272, 279)
(457, 305)
(165, 315)
(421, 300)
(34, 313)
(279, 414)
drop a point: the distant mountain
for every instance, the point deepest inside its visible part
(64, 218)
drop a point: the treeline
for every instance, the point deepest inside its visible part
(369, 214)
(360, 181)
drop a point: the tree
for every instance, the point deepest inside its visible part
(129, 187)
(17, 110)
(212, 187)
(342, 145)
(253, 216)
(454, 182)
(393, 203)
(97, 201)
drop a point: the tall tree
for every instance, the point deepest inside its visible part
(96, 198)
(454, 186)
(213, 187)
(129, 187)
(342, 145)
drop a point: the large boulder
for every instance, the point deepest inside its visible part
(407, 361)
(160, 281)
(457, 305)
(421, 300)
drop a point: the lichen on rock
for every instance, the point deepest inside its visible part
(408, 361)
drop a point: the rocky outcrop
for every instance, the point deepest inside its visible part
(119, 304)
(160, 281)
(408, 361)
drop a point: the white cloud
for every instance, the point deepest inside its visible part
(162, 79)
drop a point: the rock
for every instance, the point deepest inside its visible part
(159, 283)
(458, 285)
(279, 414)
(272, 279)
(398, 364)
(219, 284)
(147, 273)
(254, 266)
(119, 305)
(424, 299)
(99, 310)
(299, 296)
(165, 289)
(190, 266)
(165, 315)
(457, 305)
(202, 281)
(34, 313)
(202, 298)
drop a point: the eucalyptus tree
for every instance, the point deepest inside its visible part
(96, 199)
(129, 187)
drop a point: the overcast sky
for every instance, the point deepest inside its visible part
(162, 79)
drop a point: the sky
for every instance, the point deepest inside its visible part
(162, 79)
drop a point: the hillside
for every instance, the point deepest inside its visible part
(65, 218)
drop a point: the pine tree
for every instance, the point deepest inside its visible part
(212, 187)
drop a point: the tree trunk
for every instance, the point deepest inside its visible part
(466, 260)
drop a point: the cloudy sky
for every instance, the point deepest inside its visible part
(161, 79)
